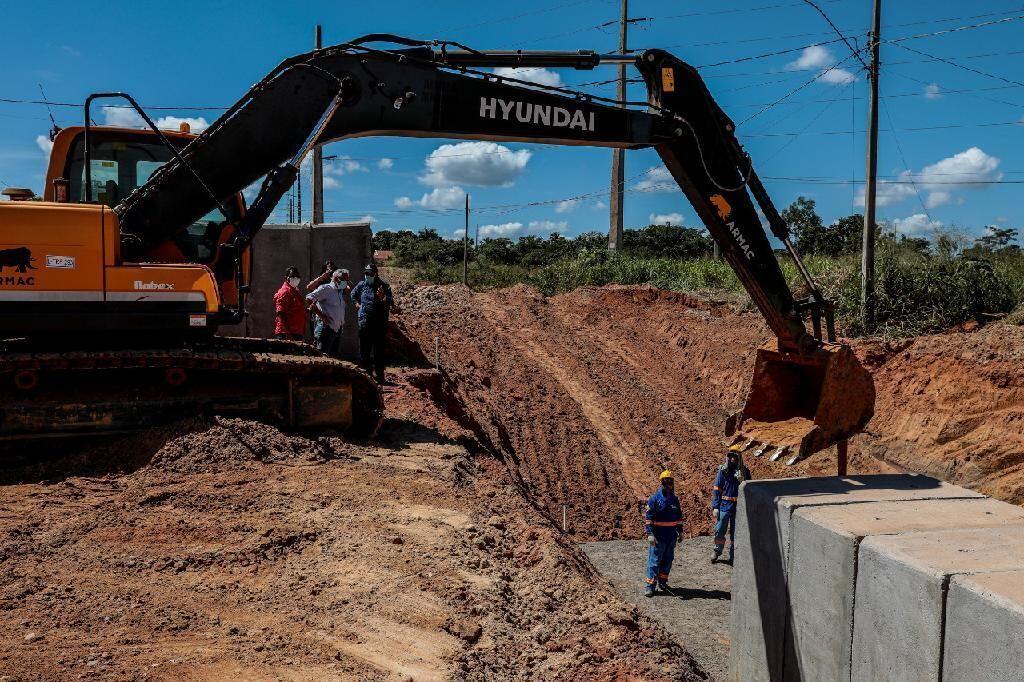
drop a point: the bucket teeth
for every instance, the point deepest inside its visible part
(746, 445)
(779, 452)
(761, 450)
(794, 459)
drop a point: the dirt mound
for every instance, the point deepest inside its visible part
(225, 549)
(952, 405)
(588, 395)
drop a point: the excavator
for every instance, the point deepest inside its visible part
(125, 265)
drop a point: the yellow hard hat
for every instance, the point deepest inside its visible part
(736, 448)
(665, 474)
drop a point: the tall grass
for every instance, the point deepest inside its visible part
(915, 292)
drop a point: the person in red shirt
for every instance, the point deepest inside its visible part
(290, 321)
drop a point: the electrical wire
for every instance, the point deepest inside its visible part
(835, 28)
(961, 66)
(906, 166)
(795, 90)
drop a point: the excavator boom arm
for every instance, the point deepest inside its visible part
(421, 91)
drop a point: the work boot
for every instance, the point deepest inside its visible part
(663, 586)
(717, 555)
(649, 592)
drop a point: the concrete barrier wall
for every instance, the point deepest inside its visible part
(983, 613)
(278, 247)
(818, 590)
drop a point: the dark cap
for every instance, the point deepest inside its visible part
(370, 268)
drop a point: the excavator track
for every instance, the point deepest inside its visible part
(81, 392)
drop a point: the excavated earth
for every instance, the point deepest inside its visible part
(227, 549)
(590, 394)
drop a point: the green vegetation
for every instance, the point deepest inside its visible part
(922, 285)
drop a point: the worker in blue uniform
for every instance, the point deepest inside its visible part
(664, 526)
(724, 496)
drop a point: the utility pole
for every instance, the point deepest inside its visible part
(465, 248)
(867, 267)
(318, 160)
(618, 155)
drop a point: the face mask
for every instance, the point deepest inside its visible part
(294, 281)
(370, 279)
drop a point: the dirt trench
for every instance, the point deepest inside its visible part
(588, 395)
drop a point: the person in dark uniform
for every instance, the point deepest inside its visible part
(373, 300)
(724, 496)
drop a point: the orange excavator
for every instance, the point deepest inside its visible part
(101, 281)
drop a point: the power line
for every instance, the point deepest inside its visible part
(969, 27)
(854, 51)
(961, 66)
(916, 129)
(899, 148)
(735, 10)
(794, 91)
(765, 55)
(513, 17)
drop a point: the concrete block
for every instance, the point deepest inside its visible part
(760, 594)
(901, 594)
(824, 542)
(984, 627)
(278, 247)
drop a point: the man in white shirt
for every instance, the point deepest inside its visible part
(328, 303)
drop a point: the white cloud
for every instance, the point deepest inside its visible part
(666, 218)
(818, 58)
(334, 169)
(385, 164)
(656, 179)
(486, 164)
(502, 230)
(122, 117)
(342, 165)
(70, 51)
(837, 77)
(547, 226)
(530, 74)
(812, 58)
(368, 219)
(916, 225)
(932, 91)
(599, 205)
(937, 182)
(439, 197)
(567, 205)
(196, 125)
(45, 144)
(887, 193)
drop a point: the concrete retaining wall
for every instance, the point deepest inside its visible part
(278, 247)
(801, 587)
(984, 626)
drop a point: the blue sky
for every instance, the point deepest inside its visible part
(942, 125)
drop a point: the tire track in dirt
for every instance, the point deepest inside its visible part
(593, 392)
(556, 350)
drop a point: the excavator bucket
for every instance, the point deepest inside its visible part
(800, 404)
